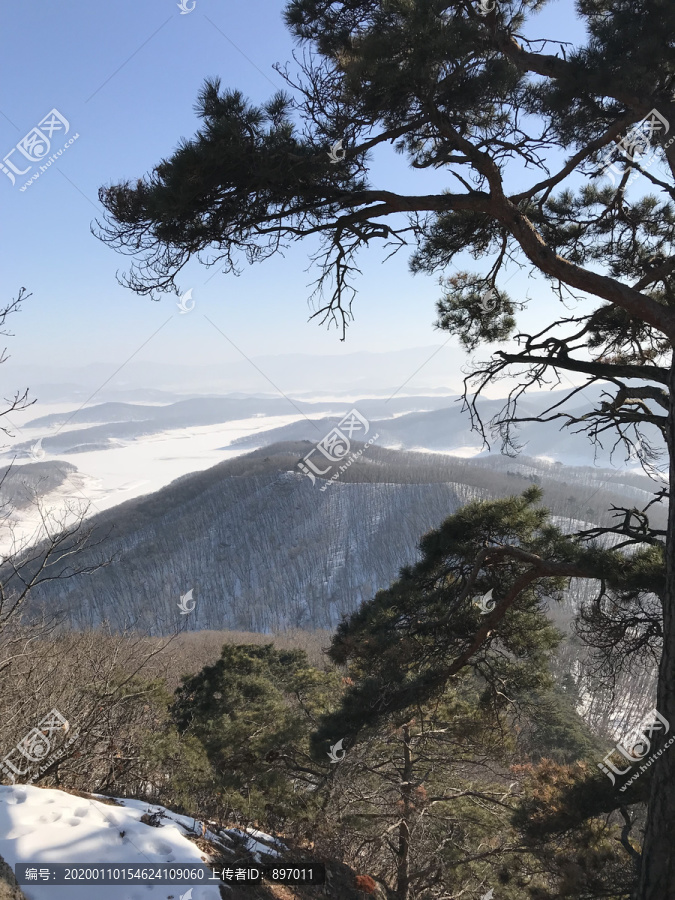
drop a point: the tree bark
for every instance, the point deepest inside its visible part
(657, 876)
(403, 855)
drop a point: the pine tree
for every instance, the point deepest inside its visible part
(476, 599)
(476, 604)
(412, 800)
(526, 128)
(435, 713)
(252, 713)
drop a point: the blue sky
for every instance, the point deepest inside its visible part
(126, 75)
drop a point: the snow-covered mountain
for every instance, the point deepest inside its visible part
(261, 547)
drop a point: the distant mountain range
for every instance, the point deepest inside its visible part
(431, 423)
(252, 545)
(421, 369)
(261, 547)
(112, 422)
(448, 429)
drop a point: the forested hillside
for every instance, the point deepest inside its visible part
(264, 549)
(20, 486)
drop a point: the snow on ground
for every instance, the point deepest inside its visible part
(463, 452)
(133, 468)
(149, 463)
(253, 846)
(45, 826)
(253, 832)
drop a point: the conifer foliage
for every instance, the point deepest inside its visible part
(477, 599)
(523, 127)
(252, 713)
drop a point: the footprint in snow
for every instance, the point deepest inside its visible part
(49, 817)
(160, 848)
(112, 820)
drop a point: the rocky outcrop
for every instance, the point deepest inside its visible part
(9, 889)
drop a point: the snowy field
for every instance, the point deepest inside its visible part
(109, 477)
(106, 478)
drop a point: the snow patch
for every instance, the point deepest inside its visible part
(45, 826)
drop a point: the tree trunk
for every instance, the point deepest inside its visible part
(403, 855)
(657, 877)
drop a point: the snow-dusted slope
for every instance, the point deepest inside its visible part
(263, 548)
(49, 826)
